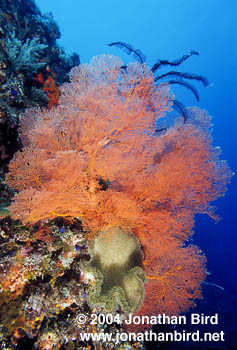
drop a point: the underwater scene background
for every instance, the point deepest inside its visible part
(48, 256)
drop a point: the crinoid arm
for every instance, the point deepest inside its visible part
(162, 63)
(200, 78)
(184, 83)
(180, 107)
(135, 53)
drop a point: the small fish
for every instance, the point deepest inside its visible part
(13, 92)
(62, 229)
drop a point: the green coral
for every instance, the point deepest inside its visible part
(115, 270)
(24, 56)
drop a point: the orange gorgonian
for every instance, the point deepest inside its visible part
(96, 156)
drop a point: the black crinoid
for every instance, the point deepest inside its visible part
(173, 76)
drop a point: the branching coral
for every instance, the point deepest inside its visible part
(24, 56)
(96, 156)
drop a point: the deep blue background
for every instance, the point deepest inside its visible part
(167, 29)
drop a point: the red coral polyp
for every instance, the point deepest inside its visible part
(96, 156)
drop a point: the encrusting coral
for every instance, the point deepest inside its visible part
(96, 157)
(116, 270)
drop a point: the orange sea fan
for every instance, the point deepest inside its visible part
(96, 156)
(173, 282)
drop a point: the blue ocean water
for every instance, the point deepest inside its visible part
(167, 29)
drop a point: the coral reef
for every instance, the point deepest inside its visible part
(43, 288)
(102, 214)
(32, 66)
(106, 165)
(27, 48)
